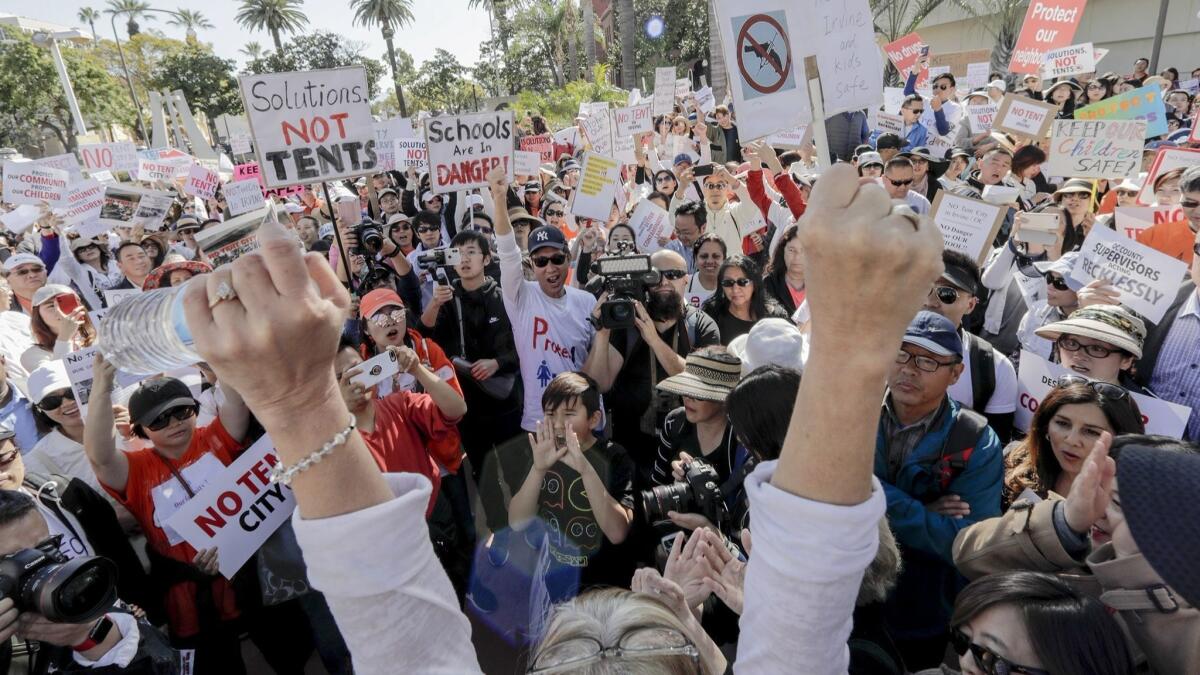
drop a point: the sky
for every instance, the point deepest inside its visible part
(444, 24)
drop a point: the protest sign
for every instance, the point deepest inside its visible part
(683, 86)
(1095, 148)
(19, 219)
(1036, 377)
(83, 202)
(1072, 60)
(598, 129)
(526, 163)
(240, 144)
(386, 132)
(849, 62)
(121, 204)
(1167, 159)
(464, 148)
(633, 120)
(1140, 104)
(104, 176)
(112, 297)
(152, 170)
(237, 510)
(179, 161)
(980, 117)
(1049, 25)
(242, 196)
(958, 63)
(310, 126)
(664, 90)
(79, 373)
(543, 144)
(201, 182)
(1021, 116)
(650, 222)
(705, 100)
(1132, 220)
(1191, 86)
(977, 75)
(235, 237)
(251, 170)
(598, 178)
(109, 157)
(151, 211)
(762, 41)
(904, 54)
(967, 225)
(410, 152)
(789, 138)
(1146, 279)
(28, 183)
(888, 123)
(64, 162)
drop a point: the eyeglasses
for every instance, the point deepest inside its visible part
(674, 275)
(402, 226)
(1189, 203)
(1109, 391)
(945, 294)
(719, 185)
(574, 655)
(27, 271)
(1196, 248)
(391, 318)
(555, 214)
(484, 229)
(898, 183)
(542, 261)
(1095, 351)
(989, 661)
(175, 414)
(1057, 282)
(1075, 195)
(9, 456)
(941, 87)
(743, 282)
(917, 111)
(1095, 85)
(427, 229)
(923, 363)
(54, 401)
(81, 249)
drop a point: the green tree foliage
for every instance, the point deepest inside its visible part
(441, 84)
(316, 51)
(143, 54)
(561, 105)
(206, 80)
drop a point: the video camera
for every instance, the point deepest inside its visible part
(628, 279)
(437, 260)
(44, 581)
(699, 492)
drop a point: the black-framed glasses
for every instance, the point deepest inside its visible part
(898, 183)
(55, 400)
(1095, 351)
(917, 111)
(1105, 389)
(385, 319)
(175, 414)
(542, 261)
(730, 283)
(485, 229)
(81, 249)
(923, 363)
(1056, 281)
(947, 295)
(987, 660)
(674, 275)
(573, 655)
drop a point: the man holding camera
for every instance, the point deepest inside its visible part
(628, 362)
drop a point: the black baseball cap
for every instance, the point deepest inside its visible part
(889, 141)
(547, 235)
(157, 395)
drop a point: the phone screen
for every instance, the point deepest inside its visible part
(67, 303)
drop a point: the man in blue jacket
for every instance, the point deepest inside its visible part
(941, 469)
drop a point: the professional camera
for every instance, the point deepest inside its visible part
(44, 581)
(699, 492)
(628, 279)
(370, 238)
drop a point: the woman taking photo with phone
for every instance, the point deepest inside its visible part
(59, 325)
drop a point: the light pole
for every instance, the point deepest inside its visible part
(51, 41)
(125, 67)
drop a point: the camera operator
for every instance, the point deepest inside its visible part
(428, 226)
(629, 363)
(376, 260)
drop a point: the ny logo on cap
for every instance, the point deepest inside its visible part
(543, 235)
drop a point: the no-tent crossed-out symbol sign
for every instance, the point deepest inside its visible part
(764, 55)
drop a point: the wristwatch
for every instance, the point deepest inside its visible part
(96, 635)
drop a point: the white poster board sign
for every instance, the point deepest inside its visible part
(888, 123)
(28, 183)
(202, 182)
(598, 129)
(633, 120)
(850, 62)
(664, 90)
(981, 117)
(242, 196)
(463, 149)
(1072, 60)
(410, 153)
(1132, 220)
(109, 156)
(968, 225)
(526, 163)
(650, 222)
(1146, 279)
(1095, 148)
(84, 201)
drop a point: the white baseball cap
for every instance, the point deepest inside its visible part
(17, 259)
(771, 342)
(49, 377)
(997, 84)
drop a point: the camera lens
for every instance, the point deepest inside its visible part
(659, 500)
(73, 592)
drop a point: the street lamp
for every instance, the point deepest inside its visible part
(51, 40)
(128, 79)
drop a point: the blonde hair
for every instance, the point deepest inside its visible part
(605, 615)
(880, 577)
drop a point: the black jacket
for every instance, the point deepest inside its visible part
(1157, 334)
(776, 287)
(154, 656)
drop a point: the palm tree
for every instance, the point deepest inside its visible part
(273, 16)
(386, 13)
(569, 19)
(133, 9)
(252, 50)
(717, 74)
(589, 35)
(496, 18)
(190, 20)
(626, 21)
(89, 16)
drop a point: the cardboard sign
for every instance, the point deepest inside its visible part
(1145, 103)
(967, 225)
(633, 120)
(958, 63)
(376, 369)
(1037, 376)
(1167, 159)
(981, 117)
(237, 510)
(1049, 25)
(1095, 148)
(1132, 220)
(310, 126)
(887, 123)
(543, 144)
(904, 54)
(1072, 60)
(463, 149)
(664, 90)
(977, 75)
(650, 223)
(597, 127)
(242, 196)
(28, 183)
(526, 163)
(598, 178)
(109, 157)
(849, 61)
(1021, 116)
(235, 237)
(410, 152)
(1146, 279)
(84, 201)
(201, 182)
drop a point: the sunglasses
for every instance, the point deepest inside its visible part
(555, 214)
(720, 185)
(1189, 203)
(1109, 391)
(89, 246)
(9, 456)
(27, 271)
(988, 661)
(917, 111)
(1095, 351)
(175, 414)
(945, 294)
(663, 179)
(54, 401)
(384, 320)
(1196, 248)
(484, 229)
(898, 183)
(730, 283)
(1057, 282)
(542, 261)
(674, 275)
(425, 230)
(942, 87)
(1095, 86)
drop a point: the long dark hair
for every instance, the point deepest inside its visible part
(760, 408)
(674, 178)
(105, 255)
(760, 305)
(44, 336)
(539, 125)
(777, 268)
(1071, 633)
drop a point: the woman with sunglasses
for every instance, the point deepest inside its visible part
(1062, 94)
(156, 247)
(1067, 422)
(740, 300)
(59, 325)
(784, 282)
(1061, 299)
(89, 268)
(1096, 91)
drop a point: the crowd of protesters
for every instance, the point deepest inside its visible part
(801, 450)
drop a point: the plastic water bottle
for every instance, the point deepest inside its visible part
(148, 334)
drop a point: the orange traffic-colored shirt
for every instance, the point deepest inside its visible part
(1175, 239)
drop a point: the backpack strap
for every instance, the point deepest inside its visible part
(959, 446)
(983, 371)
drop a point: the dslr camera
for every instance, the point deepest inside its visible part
(699, 492)
(370, 238)
(44, 581)
(437, 260)
(628, 279)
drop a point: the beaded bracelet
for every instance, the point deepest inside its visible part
(285, 476)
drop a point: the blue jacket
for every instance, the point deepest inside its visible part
(917, 136)
(920, 605)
